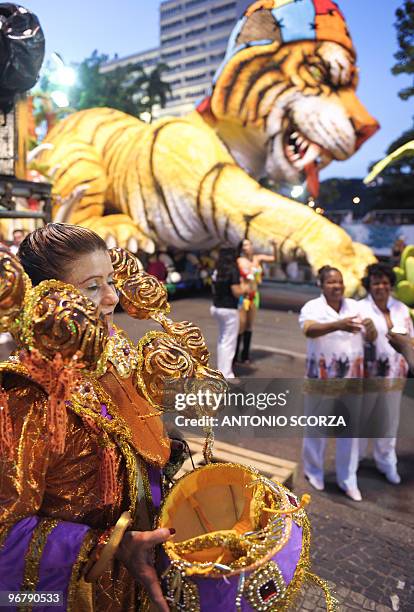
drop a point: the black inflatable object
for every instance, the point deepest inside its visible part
(22, 49)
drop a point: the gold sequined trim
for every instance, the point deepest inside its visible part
(120, 351)
(331, 603)
(117, 429)
(147, 491)
(20, 478)
(271, 539)
(149, 336)
(35, 551)
(87, 545)
(4, 532)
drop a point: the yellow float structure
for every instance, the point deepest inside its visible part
(283, 105)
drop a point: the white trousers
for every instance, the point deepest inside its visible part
(384, 407)
(229, 323)
(347, 449)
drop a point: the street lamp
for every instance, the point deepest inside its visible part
(63, 75)
(356, 200)
(297, 191)
(60, 98)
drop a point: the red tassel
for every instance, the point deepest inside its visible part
(6, 426)
(107, 475)
(107, 468)
(59, 380)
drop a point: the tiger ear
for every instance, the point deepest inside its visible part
(260, 25)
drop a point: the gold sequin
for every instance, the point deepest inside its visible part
(84, 552)
(34, 554)
(119, 351)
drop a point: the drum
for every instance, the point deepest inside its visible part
(242, 542)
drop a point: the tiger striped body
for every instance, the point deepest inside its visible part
(276, 110)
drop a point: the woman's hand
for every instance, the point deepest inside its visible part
(402, 343)
(349, 324)
(136, 552)
(370, 330)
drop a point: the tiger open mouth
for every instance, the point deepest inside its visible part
(305, 156)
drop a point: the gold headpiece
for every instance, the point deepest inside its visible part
(59, 334)
(178, 355)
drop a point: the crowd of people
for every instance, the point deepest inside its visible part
(349, 339)
(346, 339)
(91, 493)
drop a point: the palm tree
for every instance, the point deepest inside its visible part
(152, 89)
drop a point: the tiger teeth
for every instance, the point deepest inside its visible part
(311, 155)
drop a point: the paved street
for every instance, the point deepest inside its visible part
(365, 550)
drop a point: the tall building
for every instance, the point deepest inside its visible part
(193, 40)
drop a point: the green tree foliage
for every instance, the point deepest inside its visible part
(405, 54)
(126, 88)
(395, 186)
(153, 90)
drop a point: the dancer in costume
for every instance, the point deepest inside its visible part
(250, 267)
(81, 450)
(226, 290)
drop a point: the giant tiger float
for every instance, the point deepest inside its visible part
(283, 105)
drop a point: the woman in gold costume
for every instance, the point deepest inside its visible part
(81, 478)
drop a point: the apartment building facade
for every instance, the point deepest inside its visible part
(193, 40)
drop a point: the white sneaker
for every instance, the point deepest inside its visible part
(354, 493)
(393, 476)
(315, 482)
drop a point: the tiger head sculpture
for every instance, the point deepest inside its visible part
(283, 99)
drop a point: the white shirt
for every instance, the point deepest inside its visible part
(385, 362)
(338, 354)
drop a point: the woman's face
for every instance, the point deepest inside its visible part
(247, 249)
(333, 286)
(92, 274)
(380, 288)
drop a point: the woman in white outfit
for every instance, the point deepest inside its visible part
(386, 368)
(335, 337)
(227, 288)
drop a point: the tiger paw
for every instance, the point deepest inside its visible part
(120, 231)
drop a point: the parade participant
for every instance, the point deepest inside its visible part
(250, 267)
(227, 289)
(335, 335)
(403, 344)
(18, 237)
(62, 513)
(386, 367)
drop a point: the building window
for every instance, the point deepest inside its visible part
(196, 17)
(171, 40)
(217, 57)
(224, 7)
(196, 32)
(222, 24)
(195, 63)
(219, 42)
(175, 82)
(170, 11)
(192, 48)
(196, 77)
(172, 54)
(194, 3)
(196, 94)
(170, 26)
